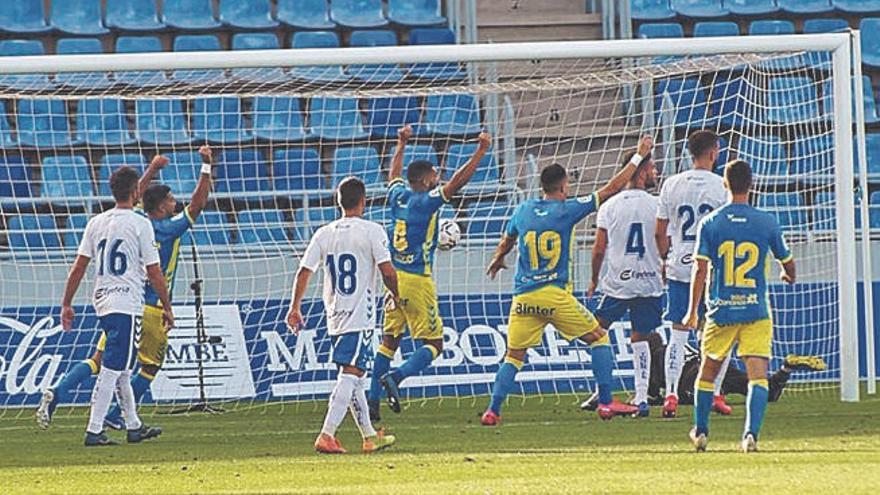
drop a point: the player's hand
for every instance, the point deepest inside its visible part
(391, 303)
(67, 315)
(159, 162)
(168, 318)
(207, 154)
(692, 320)
(786, 278)
(404, 133)
(485, 140)
(591, 289)
(295, 321)
(495, 266)
(646, 144)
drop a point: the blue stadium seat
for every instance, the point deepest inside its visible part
(140, 44)
(242, 170)
(305, 14)
(486, 219)
(296, 170)
(358, 13)
(858, 6)
(870, 105)
(14, 48)
(257, 41)
(730, 103)
(336, 118)
(870, 29)
(307, 221)
(72, 46)
(103, 122)
(317, 39)
(247, 14)
(386, 115)
(375, 73)
(458, 154)
(767, 157)
(872, 149)
(661, 30)
(788, 208)
(261, 226)
(6, 139)
(805, 6)
(67, 176)
(31, 232)
(751, 7)
(182, 172)
(197, 43)
(792, 100)
(434, 71)
(79, 17)
(133, 15)
(360, 161)
(688, 99)
(812, 156)
(111, 162)
(43, 124)
(212, 228)
(189, 14)
(74, 228)
(378, 214)
(415, 12)
(722, 28)
(412, 153)
(219, 120)
(874, 211)
(699, 8)
(824, 25)
(16, 180)
(651, 10)
(161, 122)
(765, 27)
(452, 114)
(824, 214)
(23, 17)
(278, 118)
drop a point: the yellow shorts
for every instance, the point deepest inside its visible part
(418, 308)
(532, 311)
(154, 338)
(754, 338)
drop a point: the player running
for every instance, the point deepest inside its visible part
(685, 199)
(124, 245)
(737, 240)
(543, 231)
(631, 281)
(413, 234)
(353, 252)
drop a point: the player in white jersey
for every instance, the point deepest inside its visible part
(353, 252)
(685, 199)
(631, 280)
(124, 246)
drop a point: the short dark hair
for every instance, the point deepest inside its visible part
(350, 192)
(552, 177)
(738, 174)
(630, 154)
(123, 182)
(701, 142)
(418, 169)
(154, 195)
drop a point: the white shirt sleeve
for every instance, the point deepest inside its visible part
(87, 244)
(311, 260)
(148, 246)
(663, 202)
(379, 245)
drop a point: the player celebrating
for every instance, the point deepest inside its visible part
(124, 244)
(685, 199)
(737, 240)
(414, 213)
(631, 281)
(543, 231)
(350, 249)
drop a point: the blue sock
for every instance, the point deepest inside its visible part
(139, 385)
(381, 365)
(757, 404)
(417, 361)
(79, 373)
(603, 364)
(703, 396)
(504, 382)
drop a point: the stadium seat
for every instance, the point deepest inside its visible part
(415, 12)
(452, 115)
(296, 170)
(15, 48)
(729, 103)
(812, 26)
(765, 27)
(386, 115)
(375, 73)
(651, 10)
(189, 14)
(6, 139)
(336, 118)
(197, 43)
(23, 17)
(278, 118)
(699, 8)
(111, 162)
(74, 228)
(247, 14)
(767, 157)
(317, 39)
(751, 7)
(412, 153)
(257, 41)
(872, 149)
(870, 29)
(792, 100)
(858, 6)
(708, 29)
(79, 17)
(91, 80)
(661, 30)
(824, 214)
(812, 157)
(434, 71)
(805, 6)
(308, 220)
(358, 13)
(212, 228)
(103, 122)
(486, 219)
(242, 170)
(67, 176)
(219, 120)
(360, 161)
(28, 233)
(788, 208)
(305, 14)
(874, 210)
(458, 154)
(43, 124)
(161, 122)
(870, 105)
(16, 179)
(133, 15)
(687, 98)
(259, 226)
(182, 172)
(140, 44)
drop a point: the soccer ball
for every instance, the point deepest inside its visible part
(449, 235)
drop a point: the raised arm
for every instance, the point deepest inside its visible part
(157, 280)
(158, 163)
(203, 186)
(74, 278)
(599, 246)
(497, 263)
(403, 135)
(295, 319)
(619, 181)
(461, 176)
(698, 285)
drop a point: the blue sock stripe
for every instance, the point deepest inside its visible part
(756, 403)
(603, 364)
(702, 408)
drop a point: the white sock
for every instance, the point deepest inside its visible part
(360, 411)
(721, 372)
(102, 395)
(675, 359)
(641, 369)
(125, 397)
(340, 398)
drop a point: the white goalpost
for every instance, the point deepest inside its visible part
(287, 125)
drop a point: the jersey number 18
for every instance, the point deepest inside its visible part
(343, 273)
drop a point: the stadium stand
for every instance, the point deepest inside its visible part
(386, 115)
(74, 46)
(360, 161)
(699, 8)
(305, 14)
(103, 122)
(651, 10)
(247, 14)
(278, 118)
(161, 122)
(23, 17)
(189, 14)
(415, 12)
(751, 7)
(78, 17)
(133, 15)
(358, 13)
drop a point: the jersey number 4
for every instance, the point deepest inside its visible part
(343, 273)
(115, 259)
(635, 240)
(735, 274)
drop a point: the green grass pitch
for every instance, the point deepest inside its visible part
(810, 444)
